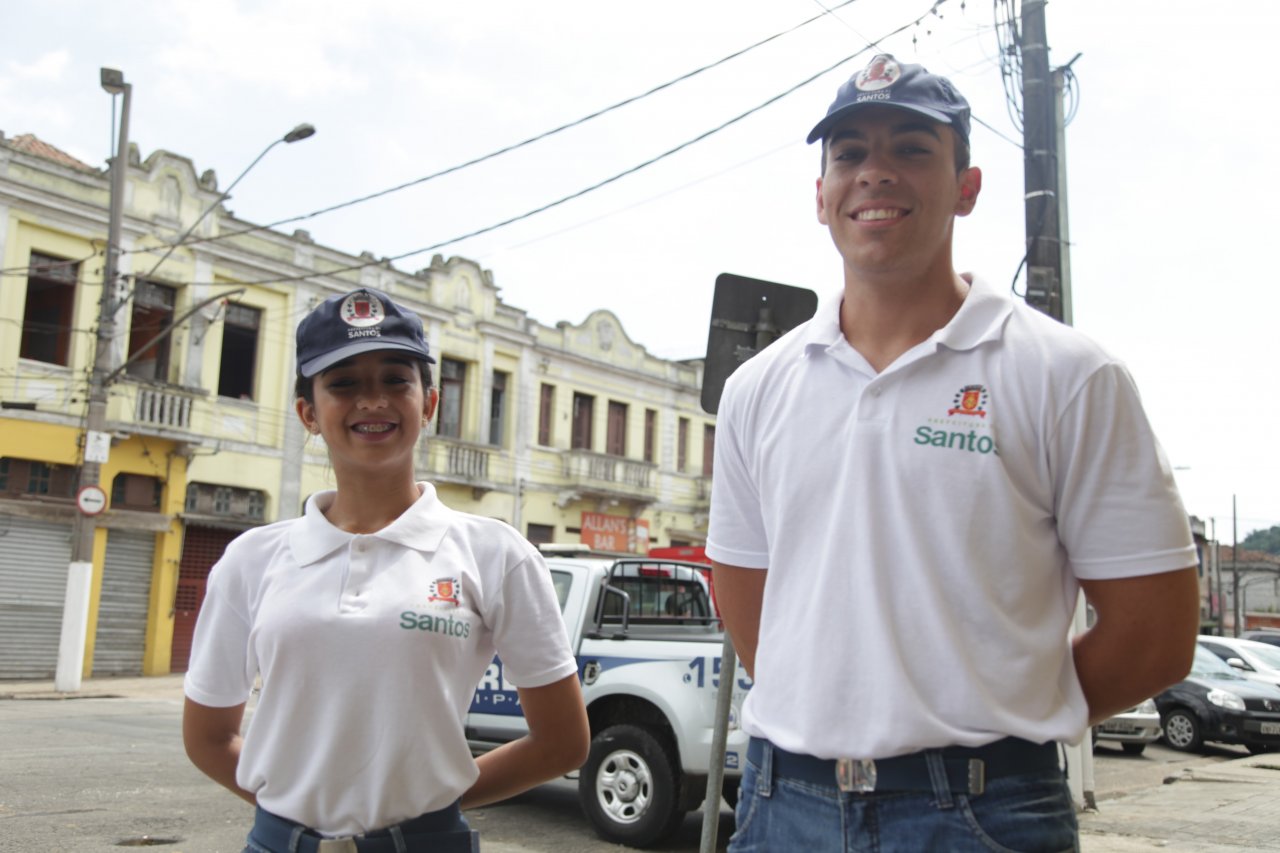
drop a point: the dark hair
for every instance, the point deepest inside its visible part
(303, 386)
(962, 153)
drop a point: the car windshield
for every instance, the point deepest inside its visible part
(1268, 656)
(1209, 665)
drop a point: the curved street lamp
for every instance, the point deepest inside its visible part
(302, 131)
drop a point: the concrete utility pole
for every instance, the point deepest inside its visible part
(1237, 615)
(97, 442)
(1040, 167)
(1048, 273)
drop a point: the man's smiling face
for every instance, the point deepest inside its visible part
(890, 192)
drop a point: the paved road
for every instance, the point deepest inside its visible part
(93, 774)
(99, 774)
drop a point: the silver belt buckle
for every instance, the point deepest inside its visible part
(337, 845)
(856, 775)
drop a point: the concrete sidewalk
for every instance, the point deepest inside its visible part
(1230, 806)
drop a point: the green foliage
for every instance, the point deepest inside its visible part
(1263, 540)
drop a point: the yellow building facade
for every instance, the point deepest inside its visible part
(567, 432)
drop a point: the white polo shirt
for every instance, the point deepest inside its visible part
(924, 527)
(370, 648)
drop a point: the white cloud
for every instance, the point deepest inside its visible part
(47, 67)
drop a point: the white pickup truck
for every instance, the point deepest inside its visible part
(648, 646)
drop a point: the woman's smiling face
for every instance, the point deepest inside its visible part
(370, 410)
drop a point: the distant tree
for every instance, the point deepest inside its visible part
(1263, 540)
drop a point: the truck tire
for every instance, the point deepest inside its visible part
(730, 791)
(629, 787)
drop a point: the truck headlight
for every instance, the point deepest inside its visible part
(1226, 699)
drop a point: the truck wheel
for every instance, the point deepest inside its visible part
(1182, 730)
(730, 791)
(629, 788)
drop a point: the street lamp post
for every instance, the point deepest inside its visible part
(96, 440)
(302, 131)
(75, 611)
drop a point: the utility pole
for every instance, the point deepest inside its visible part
(1040, 168)
(97, 442)
(1236, 615)
(1217, 573)
(1045, 180)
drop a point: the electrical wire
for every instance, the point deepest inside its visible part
(514, 146)
(599, 184)
(1008, 38)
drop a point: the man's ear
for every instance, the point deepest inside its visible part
(822, 210)
(307, 414)
(970, 186)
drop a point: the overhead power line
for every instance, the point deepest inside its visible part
(509, 148)
(598, 185)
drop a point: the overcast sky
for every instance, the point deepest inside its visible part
(1172, 180)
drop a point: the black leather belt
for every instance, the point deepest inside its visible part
(968, 768)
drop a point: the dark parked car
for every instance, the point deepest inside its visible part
(1215, 703)
(1271, 637)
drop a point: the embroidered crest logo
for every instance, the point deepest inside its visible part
(361, 310)
(970, 400)
(881, 73)
(445, 591)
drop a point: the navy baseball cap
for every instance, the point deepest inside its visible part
(885, 82)
(356, 322)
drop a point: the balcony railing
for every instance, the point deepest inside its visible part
(452, 460)
(163, 408)
(704, 488)
(615, 476)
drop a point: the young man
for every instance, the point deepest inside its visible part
(910, 490)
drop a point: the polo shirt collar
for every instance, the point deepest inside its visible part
(981, 318)
(421, 527)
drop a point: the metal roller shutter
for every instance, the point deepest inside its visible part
(122, 607)
(201, 548)
(34, 556)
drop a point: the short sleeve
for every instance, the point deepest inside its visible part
(736, 533)
(528, 628)
(219, 674)
(1117, 506)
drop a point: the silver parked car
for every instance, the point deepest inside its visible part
(1133, 729)
(1255, 661)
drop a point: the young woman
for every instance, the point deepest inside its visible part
(369, 621)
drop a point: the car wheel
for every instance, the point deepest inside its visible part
(1133, 748)
(629, 787)
(1182, 730)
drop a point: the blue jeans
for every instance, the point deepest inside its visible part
(443, 831)
(1026, 813)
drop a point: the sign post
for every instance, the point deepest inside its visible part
(747, 314)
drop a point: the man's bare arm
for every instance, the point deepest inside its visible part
(739, 595)
(1142, 642)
